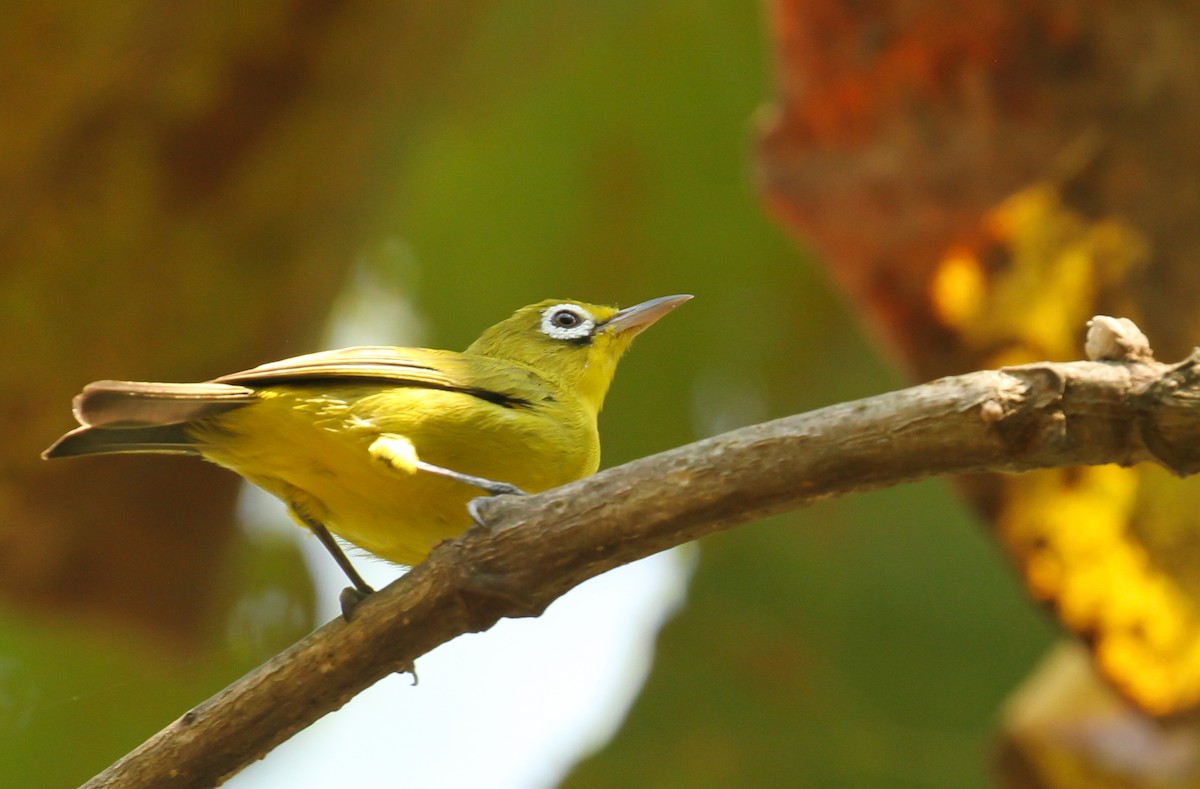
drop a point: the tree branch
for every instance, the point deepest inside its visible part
(539, 547)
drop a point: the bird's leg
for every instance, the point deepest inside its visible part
(399, 453)
(491, 487)
(351, 596)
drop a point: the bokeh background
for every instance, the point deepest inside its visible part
(190, 188)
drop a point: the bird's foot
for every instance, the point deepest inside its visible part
(501, 489)
(474, 504)
(350, 597)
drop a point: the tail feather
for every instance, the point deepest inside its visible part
(133, 416)
(128, 403)
(170, 439)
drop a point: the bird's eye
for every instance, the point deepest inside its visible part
(565, 319)
(567, 322)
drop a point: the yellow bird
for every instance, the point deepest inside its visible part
(386, 446)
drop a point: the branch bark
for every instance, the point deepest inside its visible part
(539, 547)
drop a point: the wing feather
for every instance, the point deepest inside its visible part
(503, 383)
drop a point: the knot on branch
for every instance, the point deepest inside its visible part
(486, 598)
(1033, 418)
(484, 594)
(1167, 413)
(1112, 339)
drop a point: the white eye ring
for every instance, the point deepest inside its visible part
(556, 322)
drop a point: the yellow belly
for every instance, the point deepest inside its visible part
(310, 447)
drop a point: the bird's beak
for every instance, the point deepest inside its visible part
(635, 319)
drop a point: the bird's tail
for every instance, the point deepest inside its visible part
(133, 416)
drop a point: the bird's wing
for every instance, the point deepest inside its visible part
(407, 365)
(490, 379)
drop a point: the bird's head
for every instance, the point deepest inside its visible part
(574, 344)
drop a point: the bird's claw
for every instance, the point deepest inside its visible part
(492, 489)
(473, 511)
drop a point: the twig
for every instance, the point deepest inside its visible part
(538, 547)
